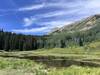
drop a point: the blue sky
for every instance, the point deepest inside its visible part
(38, 17)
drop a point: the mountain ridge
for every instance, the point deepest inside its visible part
(81, 25)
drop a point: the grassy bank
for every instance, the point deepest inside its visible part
(11, 66)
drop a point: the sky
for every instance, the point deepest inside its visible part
(38, 17)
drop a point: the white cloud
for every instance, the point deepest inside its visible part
(63, 4)
(81, 8)
(58, 24)
(32, 7)
(89, 7)
(93, 4)
(49, 26)
(28, 21)
(24, 8)
(57, 13)
(32, 30)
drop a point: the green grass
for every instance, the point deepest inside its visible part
(76, 70)
(16, 66)
(11, 66)
(88, 52)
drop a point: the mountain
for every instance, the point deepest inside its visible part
(82, 25)
(79, 33)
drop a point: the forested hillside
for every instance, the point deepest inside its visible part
(12, 41)
(76, 34)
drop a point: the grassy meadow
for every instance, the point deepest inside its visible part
(11, 63)
(11, 66)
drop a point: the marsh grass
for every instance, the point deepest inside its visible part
(11, 66)
(17, 66)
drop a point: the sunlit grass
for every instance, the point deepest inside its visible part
(11, 66)
(16, 66)
(76, 70)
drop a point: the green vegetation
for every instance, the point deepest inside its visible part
(16, 66)
(76, 70)
(11, 66)
(91, 50)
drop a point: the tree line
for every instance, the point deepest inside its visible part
(11, 41)
(18, 42)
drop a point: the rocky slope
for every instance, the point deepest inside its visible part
(81, 25)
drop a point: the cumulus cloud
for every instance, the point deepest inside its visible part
(28, 21)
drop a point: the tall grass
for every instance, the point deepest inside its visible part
(11, 66)
(75, 70)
